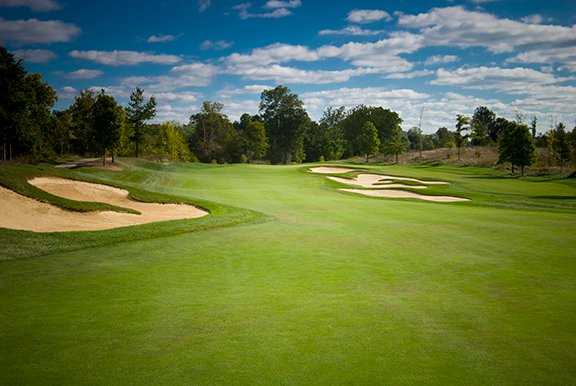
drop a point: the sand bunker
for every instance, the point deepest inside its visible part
(390, 193)
(414, 180)
(378, 185)
(330, 170)
(24, 213)
(372, 181)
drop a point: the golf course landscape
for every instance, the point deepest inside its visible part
(290, 281)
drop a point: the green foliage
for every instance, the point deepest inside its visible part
(461, 135)
(385, 121)
(138, 112)
(368, 140)
(107, 123)
(174, 142)
(445, 138)
(396, 144)
(560, 144)
(516, 146)
(414, 136)
(482, 125)
(326, 140)
(286, 122)
(252, 133)
(83, 134)
(25, 110)
(213, 137)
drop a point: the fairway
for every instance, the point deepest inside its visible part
(291, 281)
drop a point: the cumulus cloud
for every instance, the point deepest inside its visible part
(441, 59)
(274, 4)
(243, 10)
(161, 38)
(493, 77)
(35, 55)
(34, 31)
(124, 58)
(363, 16)
(67, 92)
(216, 44)
(35, 5)
(351, 30)
(380, 56)
(84, 73)
(291, 75)
(456, 26)
(409, 75)
(533, 19)
(179, 77)
(564, 56)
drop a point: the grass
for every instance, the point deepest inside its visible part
(335, 289)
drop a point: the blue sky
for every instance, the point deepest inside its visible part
(443, 57)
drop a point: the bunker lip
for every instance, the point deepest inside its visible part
(393, 193)
(24, 213)
(330, 170)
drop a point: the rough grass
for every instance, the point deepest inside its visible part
(337, 289)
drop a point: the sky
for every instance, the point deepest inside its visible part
(429, 58)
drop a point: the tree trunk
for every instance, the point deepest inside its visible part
(4, 151)
(366, 158)
(396, 155)
(10, 144)
(522, 170)
(136, 149)
(104, 158)
(112, 156)
(458, 154)
(512, 169)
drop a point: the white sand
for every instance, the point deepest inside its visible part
(390, 193)
(330, 170)
(414, 180)
(372, 181)
(24, 213)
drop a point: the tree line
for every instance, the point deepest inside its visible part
(281, 132)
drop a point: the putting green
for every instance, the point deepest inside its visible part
(333, 288)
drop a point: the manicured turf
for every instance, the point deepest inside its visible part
(332, 289)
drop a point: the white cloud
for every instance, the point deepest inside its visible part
(533, 19)
(291, 75)
(32, 31)
(409, 75)
(518, 79)
(67, 92)
(84, 73)
(216, 44)
(437, 59)
(362, 16)
(161, 38)
(351, 30)
(35, 5)
(381, 55)
(274, 4)
(456, 26)
(35, 55)
(275, 13)
(203, 5)
(124, 58)
(179, 77)
(565, 56)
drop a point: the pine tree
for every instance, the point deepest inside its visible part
(138, 112)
